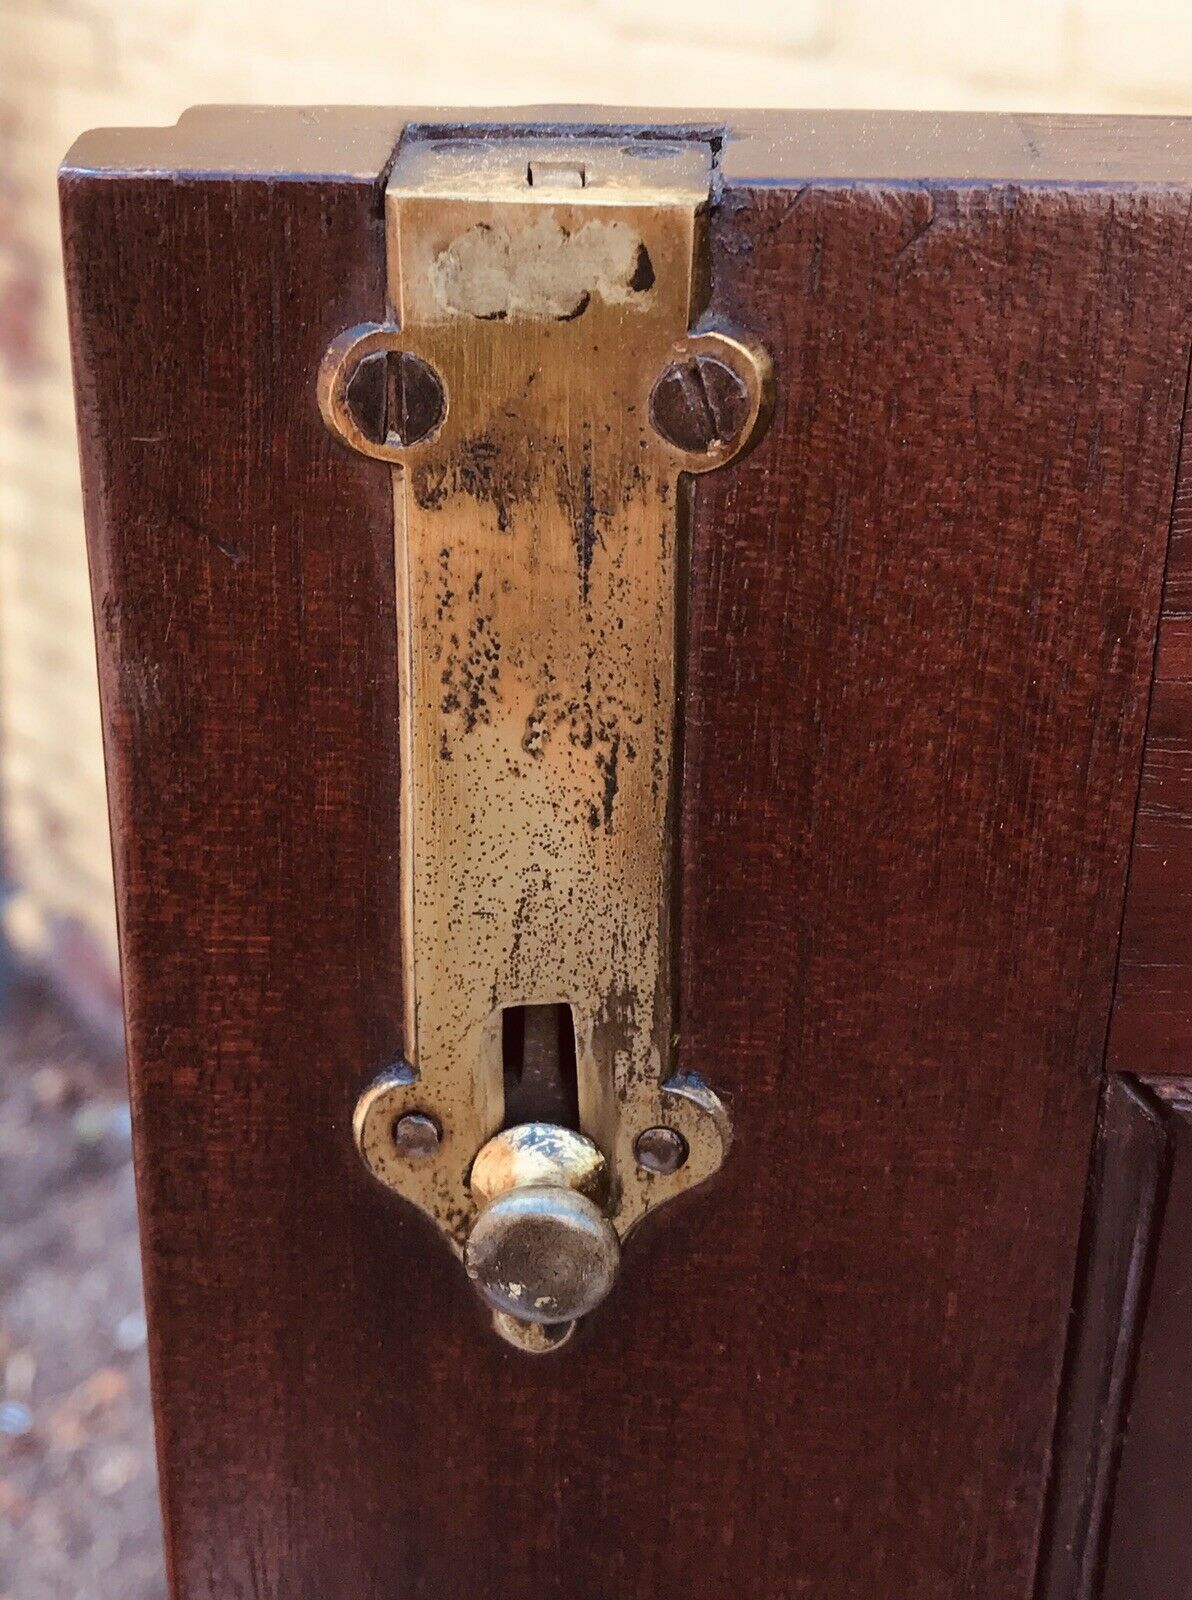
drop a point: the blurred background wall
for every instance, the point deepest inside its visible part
(69, 64)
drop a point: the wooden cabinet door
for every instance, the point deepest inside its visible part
(921, 620)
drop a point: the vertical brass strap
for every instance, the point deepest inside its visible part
(547, 289)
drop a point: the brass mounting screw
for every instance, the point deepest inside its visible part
(700, 404)
(394, 397)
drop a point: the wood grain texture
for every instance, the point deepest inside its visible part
(1151, 1034)
(1150, 1549)
(242, 571)
(922, 623)
(1127, 1187)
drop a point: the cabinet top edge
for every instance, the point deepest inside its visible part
(778, 148)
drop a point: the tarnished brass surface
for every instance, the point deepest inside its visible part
(543, 1254)
(536, 1154)
(549, 285)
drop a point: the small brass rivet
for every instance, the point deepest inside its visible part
(660, 1150)
(416, 1135)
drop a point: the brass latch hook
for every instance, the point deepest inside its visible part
(539, 394)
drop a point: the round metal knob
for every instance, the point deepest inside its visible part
(543, 1254)
(542, 1250)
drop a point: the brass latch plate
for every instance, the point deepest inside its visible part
(545, 396)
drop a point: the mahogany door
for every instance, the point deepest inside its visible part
(888, 1349)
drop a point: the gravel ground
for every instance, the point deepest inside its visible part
(78, 1493)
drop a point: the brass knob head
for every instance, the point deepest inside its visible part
(542, 1250)
(543, 1254)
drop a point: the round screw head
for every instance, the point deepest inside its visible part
(700, 405)
(661, 1150)
(416, 1135)
(395, 397)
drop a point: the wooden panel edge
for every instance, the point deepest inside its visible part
(759, 146)
(1127, 1185)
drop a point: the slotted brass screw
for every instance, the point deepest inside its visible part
(699, 404)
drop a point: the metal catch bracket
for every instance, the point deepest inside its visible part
(539, 393)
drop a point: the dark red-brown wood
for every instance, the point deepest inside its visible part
(1152, 1022)
(1150, 1549)
(1150, 1552)
(923, 617)
(1127, 1188)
